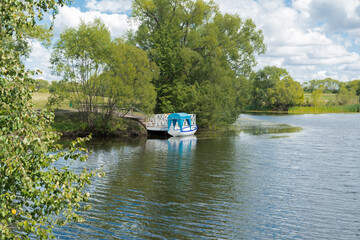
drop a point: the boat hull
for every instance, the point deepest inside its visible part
(184, 132)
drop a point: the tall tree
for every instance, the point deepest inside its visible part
(201, 53)
(328, 85)
(127, 80)
(34, 194)
(347, 96)
(285, 94)
(273, 88)
(103, 74)
(316, 97)
(41, 84)
(79, 57)
(263, 80)
(354, 85)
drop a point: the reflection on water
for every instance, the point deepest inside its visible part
(181, 145)
(241, 186)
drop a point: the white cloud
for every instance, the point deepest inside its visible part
(311, 38)
(118, 24)
(336, 15)
(70, 17)
(301, 38)
(113, 6)
(355, 66)
(40, 59)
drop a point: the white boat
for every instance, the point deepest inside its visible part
(185, 131)
(180, 124)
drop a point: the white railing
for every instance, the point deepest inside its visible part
(193, 119)
(160, 120)
(157, 120)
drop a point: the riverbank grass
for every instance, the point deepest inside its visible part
(326, 109)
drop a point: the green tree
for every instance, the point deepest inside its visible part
(265, 79)
(328, 85)
(25, 34)
(34, 194)
(102, 74)
(354, 85)
(79, 57)
(286, 93)
(41, 84)
(59, 91)
(347, 96)
(202, 56)
(127, 81)
(316, 97)
(273, 88)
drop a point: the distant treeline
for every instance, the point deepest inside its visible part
(268, 89)
(329, 85)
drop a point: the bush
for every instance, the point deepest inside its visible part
(43, 90)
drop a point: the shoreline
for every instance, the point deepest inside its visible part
(70, 124)
(131, 129)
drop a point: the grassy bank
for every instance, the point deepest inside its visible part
(326, 109)
(73, 124)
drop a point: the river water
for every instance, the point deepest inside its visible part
(300, 185)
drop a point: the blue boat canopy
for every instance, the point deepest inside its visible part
(178, 118)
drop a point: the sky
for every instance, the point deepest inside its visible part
(311, 39)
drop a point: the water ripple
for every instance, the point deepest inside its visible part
(305, 186)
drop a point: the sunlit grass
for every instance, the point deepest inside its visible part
(326, 109)
(325, 98)
(40, 100)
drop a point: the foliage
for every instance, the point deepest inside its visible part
(347, 97)
(273, 88)
(100, 74)
(21, 42)
(34, 195)
(127, 82)
(327, 99)
(285, 94)
(328, 85)
(202, 56)
(72, 123)
(41, 84)
(60, 90)
(79, 58)
(354, 85)
(317, 97)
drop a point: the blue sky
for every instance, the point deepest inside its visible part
(312, 39)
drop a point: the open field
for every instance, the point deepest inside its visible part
(326, 97)
(40, 101)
